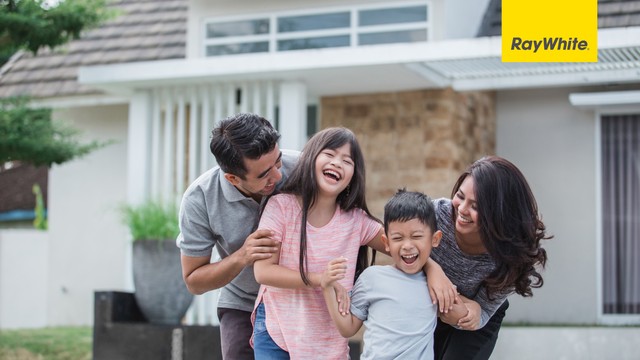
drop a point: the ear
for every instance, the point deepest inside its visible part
(233, 179)
(435, 239)
(385, 241)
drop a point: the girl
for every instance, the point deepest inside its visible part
(320, 215)
(490, 248)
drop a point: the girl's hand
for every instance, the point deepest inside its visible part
(441, 289)
(336, 270)
(471, 321)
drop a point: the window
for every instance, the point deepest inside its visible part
(340, 27)
(620, 147)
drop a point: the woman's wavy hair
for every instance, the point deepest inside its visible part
(509, 224)
(302, 182)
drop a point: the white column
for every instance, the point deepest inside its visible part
(293, 115)
(139, 147)
(138, 161)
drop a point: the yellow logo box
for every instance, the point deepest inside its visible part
(549, 30)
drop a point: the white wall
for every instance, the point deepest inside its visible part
(88, 244)
(566, 343)
(23, 278)
(462, 18)
(553, 144)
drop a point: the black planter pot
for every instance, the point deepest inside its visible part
(160, 291)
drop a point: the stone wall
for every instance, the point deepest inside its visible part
(420, 140)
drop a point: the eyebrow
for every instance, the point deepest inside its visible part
(262, 174)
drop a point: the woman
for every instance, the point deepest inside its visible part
(490, 249)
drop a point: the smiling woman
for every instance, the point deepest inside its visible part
(493, 227)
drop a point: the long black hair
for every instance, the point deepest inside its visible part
(303, 183)
(509, 224)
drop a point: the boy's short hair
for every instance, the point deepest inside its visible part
(407, 205)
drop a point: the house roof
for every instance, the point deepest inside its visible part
(144, 30)
(611, 13)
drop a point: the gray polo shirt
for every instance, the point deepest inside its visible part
(214, 213)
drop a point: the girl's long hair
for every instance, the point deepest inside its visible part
(303, 183)
(509, 224)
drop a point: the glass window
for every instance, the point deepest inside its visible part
(314, 22)
(392, 37)
(313, 43)
(392, 16)
(237, 28)
(317, 29)
(244, 48)
(621, 214)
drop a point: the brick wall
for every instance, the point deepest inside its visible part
(421, 140)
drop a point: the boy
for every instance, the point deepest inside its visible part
(393, 301)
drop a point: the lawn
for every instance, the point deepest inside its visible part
(59, 343)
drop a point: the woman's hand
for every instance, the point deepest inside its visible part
(471, 321)
(441, 289)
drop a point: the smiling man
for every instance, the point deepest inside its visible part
(221, 209)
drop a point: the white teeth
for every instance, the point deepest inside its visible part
(332, 173)
(464, 219)
(409, 256)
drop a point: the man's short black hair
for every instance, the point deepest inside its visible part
(242, 136)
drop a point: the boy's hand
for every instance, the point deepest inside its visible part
(442, 290)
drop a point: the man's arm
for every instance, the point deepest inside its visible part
(347, 324)
(201, 276)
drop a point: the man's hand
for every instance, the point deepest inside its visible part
(258, 246)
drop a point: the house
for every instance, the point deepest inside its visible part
(425, 94)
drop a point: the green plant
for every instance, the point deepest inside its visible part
(40, 222)
(29, 135)
(151, 220)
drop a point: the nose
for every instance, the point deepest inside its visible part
(277, 175)
(462, 207)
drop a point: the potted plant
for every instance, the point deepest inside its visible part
(157, 274)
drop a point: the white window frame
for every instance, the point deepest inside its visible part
(604, 109)
(352, 31)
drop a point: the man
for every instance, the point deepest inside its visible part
(221, 208)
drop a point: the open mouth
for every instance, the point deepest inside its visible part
(409, 259)
(332, 175)
(463, 219)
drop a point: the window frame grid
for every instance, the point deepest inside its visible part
(353, 31)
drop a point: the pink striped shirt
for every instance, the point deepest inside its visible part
(297, 319)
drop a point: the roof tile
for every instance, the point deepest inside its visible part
(144, 30)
